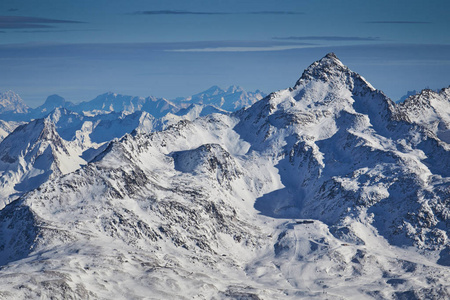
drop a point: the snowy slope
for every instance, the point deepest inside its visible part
(32, 154)
(6, 128)
(343, 155)
(318, 191)
(99, 128)
(76, 137)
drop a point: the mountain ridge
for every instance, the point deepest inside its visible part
(230, 99)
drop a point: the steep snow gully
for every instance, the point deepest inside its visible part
(325, 190)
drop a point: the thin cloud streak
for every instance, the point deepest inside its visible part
(46, 31)
(327, 38)
(113, 50)
(23, 25)
(21, 22)
(397, 22)
(245, 49)
(182, 12)
(272, 13)
(176, 12)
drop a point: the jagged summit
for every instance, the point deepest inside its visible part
(323, 69)
(331, 55)
(27, 137)
(32, 154)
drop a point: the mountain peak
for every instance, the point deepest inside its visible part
(329, 60)
(11, 102)
(331, 55)
(55, 100)
(214, 90)
(323, 68)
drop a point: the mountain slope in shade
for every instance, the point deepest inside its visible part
(6, 128)
(323, 190)
(51, 103)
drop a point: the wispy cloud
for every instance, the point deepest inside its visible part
(183, 12)
(270, 12)
(13, 9)
(327, 38)
(45, 31)
(23, 25)
(176, 12)
(397, 22)
(142, 50)
(245, 48)
(20, 22)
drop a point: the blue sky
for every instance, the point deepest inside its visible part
(79, 49)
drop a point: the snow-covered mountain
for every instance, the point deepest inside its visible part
(111, 102)
(326, 190)
(78, 136)
(231, 99)
(11, 103)
(32, 154)
(431, 110)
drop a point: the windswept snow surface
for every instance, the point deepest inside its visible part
(326, 190)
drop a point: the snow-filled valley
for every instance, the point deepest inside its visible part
(326, 190)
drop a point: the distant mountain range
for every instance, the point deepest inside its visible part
(12, 107)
